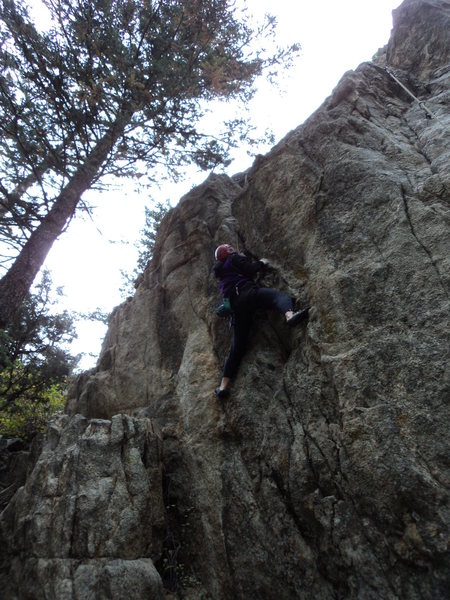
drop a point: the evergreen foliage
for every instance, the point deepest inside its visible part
(113, 88)
(34, 366)
(146, 244)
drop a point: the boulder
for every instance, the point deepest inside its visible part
(90, 517)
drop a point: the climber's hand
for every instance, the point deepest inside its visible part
(265, 262)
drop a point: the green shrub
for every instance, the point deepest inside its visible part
(31, 410)
(34, 363)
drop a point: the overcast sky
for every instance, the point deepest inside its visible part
(335, 37)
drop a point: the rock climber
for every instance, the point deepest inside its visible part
(236, 274)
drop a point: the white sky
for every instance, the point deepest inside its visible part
(335, 36)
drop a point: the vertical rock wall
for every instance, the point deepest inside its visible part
(325, 474)
(90, 518)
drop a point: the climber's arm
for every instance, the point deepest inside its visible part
(246, 266)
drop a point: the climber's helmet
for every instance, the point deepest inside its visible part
(223, 251)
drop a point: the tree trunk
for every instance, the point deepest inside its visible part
(15, 285)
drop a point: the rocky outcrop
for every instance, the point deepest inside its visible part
(325, 473)
(17, 458)
(90, 518)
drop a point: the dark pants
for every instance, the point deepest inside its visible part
(244, 305)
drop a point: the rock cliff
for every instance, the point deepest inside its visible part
(325, 474)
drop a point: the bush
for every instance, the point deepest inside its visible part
(30, 411)
(34, 366)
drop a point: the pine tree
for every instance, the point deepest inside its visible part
(146, 244)
(34, 363)
(113, 88)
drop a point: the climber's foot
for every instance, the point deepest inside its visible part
(221, 393)
(298, 317)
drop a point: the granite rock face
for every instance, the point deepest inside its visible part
(325, 474)
(90, 517)
(17, 458)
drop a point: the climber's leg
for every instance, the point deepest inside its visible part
(241, 330)
(271, 299)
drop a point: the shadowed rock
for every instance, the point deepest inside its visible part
(90, 518)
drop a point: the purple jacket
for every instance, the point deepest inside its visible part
(235, 271)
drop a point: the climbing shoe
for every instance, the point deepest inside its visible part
(298, 317)
(221, 393)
